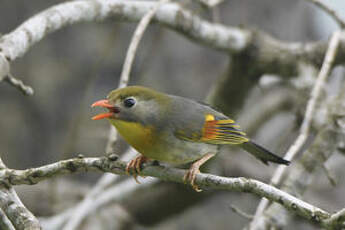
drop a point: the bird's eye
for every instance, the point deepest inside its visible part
(129, 102)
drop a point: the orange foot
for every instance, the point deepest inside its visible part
(194, 170)
(135, 165)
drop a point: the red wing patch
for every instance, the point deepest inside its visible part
(224, 131)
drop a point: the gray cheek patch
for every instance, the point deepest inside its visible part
(147, 112)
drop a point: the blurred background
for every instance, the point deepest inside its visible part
(79, 64)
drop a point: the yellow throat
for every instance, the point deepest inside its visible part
(137, 135)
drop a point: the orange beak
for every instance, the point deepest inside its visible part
(105, 104)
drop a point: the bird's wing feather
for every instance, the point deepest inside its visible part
(215, 130)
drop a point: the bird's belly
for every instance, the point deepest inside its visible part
(176, 151)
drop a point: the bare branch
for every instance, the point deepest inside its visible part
(302, 172)
(206, 181)
(330, 176)
(112, 138)
(5, 223)
(269, 105)
(337, 220)
(14, 209)
(25, 89)
(271, 54)
(138, 34)
(5, 75)
(311, 106)
(87, 205)
(304, 132)
(4, 67)
(118, 192)
(228, 39)
(211, 3)
(301, 175)
(112, 194)
(20, 217)
(320, 81)
(332, 13)
(56, 222)
(16, 43)
(241, 213)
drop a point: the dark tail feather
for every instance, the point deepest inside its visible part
(263, 154)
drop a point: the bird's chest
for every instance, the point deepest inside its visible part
(138, 136)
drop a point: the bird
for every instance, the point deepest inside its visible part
(174, 130)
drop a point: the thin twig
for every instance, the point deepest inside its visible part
(56, 222)
(5, 75)
(240, 212)
(302, 172)
(112, 194)
(306, 124)
(332, 13)
(268, 106)
(138, 34)
(127, 66)
(81, 210)
(330, 176)
(25, 89)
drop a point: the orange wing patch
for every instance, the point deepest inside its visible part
(222, 131)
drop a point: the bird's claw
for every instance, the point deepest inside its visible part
(135, 166)
(194, 170)
(190, 177)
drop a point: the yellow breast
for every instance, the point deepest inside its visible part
(138, 136)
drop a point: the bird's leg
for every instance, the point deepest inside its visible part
(194, 170)
(135, 165)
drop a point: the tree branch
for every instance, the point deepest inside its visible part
(14, 209)
(323, 147)
(5, 223)
(93, 204)
(270, 54)
(206, 181)
(309, 114)
(138, 34)
(274, 56)
(87, 205)
(4, 67)
(241, 213)
(5, 75)
(337, 220)
(25, 89)
(16, 43)
(332, 13)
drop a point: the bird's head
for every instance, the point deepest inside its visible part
(132, 104)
